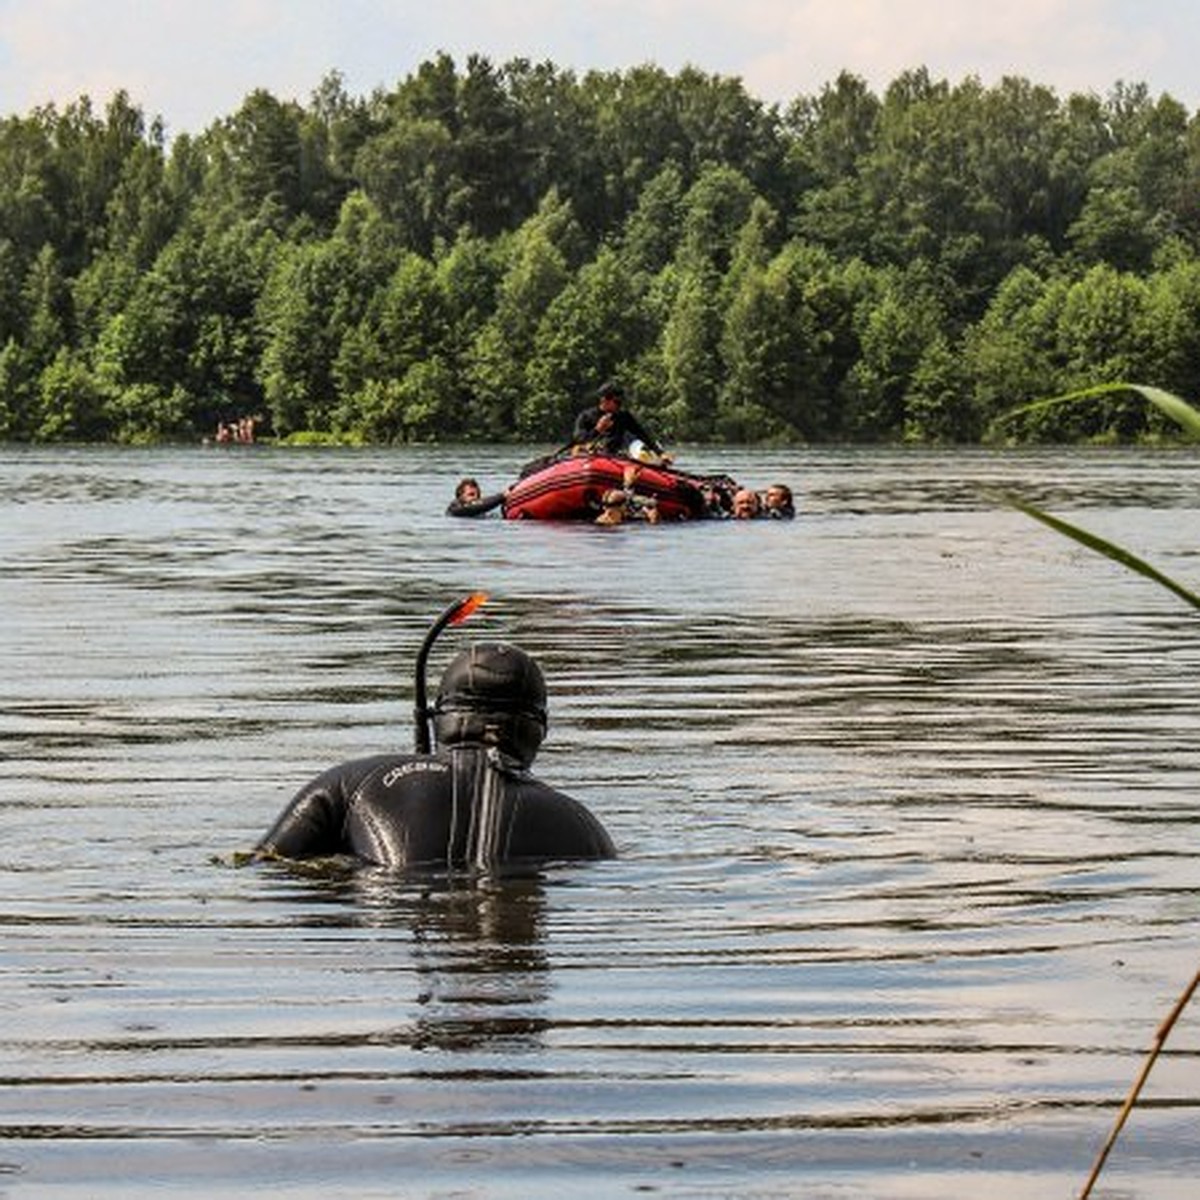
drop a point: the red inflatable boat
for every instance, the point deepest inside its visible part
(570, 489)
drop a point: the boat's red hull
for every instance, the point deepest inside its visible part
(570, 489)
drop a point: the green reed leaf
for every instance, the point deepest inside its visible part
(1189, 419)
(1107, 548)
(1166, 402)
(1179, 410)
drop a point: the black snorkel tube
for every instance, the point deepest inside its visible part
(455, 614)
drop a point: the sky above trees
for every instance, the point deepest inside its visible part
(192, 64)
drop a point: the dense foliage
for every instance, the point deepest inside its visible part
(467, 255)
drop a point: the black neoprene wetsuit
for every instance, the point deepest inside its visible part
(474, 508)
(469, 806)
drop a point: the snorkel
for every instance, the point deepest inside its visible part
(455, 614)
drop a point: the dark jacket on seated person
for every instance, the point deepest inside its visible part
(620, 427)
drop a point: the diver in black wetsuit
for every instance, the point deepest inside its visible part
(471, 804)
(469, 500)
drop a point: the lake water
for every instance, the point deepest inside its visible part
(906, 792)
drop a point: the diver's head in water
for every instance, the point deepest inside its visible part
(492, 694)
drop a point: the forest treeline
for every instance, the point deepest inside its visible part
(465, 257)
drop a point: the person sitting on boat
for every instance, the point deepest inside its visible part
(472, 803)
(609, 426)
(777, 502)
(469, 500)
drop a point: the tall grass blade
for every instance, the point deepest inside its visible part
(1108, 549)
(1160, 1039)
(1189, 419)
(1180, 411)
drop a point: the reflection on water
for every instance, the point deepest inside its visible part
(475, 946)
(905, 792)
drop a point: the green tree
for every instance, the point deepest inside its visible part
(778, 348)
(1113, 226)
(757, 349)
(1102, 337)
(716, 209)
(18, 394)
(406, 171)
(186, 341)
(691, 354)
(939, 407)
(71, 404)
(541, 258)
(557, 147)
(262, 148)
(717, 212)
(1011, 355)
(830, 137)
(410, 264)
(469, 276)
(895, 330)
(28, 214)
(591, 330)
(489, 154)
(46, 304)
(12, 321)
(650, 237)
(1171, 327)
(415, 407)
(309, 302)
(408, 326)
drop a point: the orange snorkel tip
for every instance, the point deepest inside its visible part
(465, 607)
(454, 614)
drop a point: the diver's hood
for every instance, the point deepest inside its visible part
(492, 694)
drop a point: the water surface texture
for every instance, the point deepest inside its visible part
(907, 796)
